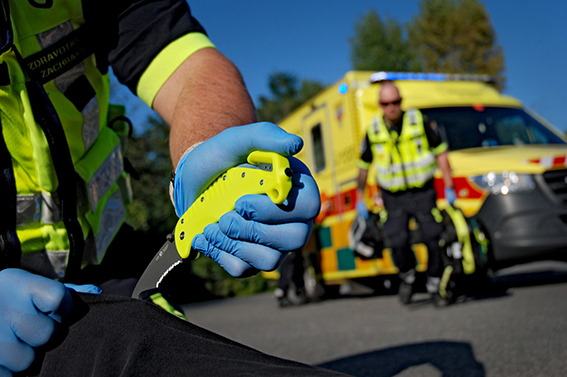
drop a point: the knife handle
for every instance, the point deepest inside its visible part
(271, 176)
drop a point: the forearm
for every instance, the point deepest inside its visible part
(208, 95)
(445, 167)
(361, 183)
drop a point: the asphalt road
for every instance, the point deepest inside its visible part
(519, 329)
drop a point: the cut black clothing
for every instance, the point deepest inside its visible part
(117, 336)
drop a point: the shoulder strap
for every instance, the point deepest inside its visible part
(46, 116)
(10, 248)
(6, 33)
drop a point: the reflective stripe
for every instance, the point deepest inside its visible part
(50, 209)
(425, 162)
(91, 112)
(52, 263)
(91, 115)
(49, 37)
(47, 263)
(104, 177)
(391, 183)
(64, 81)
(37, 207)
(28, 209)
(418, 179)
(111, 220)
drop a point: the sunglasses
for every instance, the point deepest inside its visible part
(396, 103)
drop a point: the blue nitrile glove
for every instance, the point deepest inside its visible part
(258, 233)
(85, 288)
(30, 307)
(361, 209)
(450, 195)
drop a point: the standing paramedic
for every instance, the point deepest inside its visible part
(406, 150)
(63, 188)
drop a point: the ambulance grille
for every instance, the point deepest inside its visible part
(557, 182)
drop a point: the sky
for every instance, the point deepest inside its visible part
(310, 39)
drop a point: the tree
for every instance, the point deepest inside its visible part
(287, 94)
(151, 209)
(456, 36)
(379, 45)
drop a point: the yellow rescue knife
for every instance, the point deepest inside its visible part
(270, 175)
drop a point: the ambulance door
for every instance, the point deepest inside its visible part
(319, 155)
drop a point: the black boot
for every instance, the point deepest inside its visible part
(406, 289)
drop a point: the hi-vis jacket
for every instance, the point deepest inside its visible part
(63, 188)
(402, 161)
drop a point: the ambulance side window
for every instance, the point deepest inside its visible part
(318, 149)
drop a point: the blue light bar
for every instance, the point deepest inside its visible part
(412, 76)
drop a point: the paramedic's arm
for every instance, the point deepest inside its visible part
(204, 96)
(440, 149)
(362, 177)
(443, 164)
(445, 167)
(361, 208)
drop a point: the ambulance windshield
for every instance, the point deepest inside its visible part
(473, 127)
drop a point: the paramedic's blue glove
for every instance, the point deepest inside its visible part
(30, 308)
(85, 288)
(450, 195)
(258, 233)
(361, 209)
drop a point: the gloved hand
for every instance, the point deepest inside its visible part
(258, 234)
(450, 195)
(361, 209)
(30, 308)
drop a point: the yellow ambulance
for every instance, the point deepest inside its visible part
(509, 166)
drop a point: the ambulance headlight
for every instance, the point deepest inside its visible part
(504, 183)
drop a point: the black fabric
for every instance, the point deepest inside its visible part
(10, 248)
(46, 116)
(115, 336)
(80, 92)
(400, 207)
(6, 34)
(130, 33)
(4, 75)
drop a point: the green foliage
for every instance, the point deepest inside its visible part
(379, 45)
(287, 93)
(219, 283)
(456, 36)
(151, 210)
(448, 36)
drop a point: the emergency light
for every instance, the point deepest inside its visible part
(413, 76)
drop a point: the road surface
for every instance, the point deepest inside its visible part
(520, 329)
